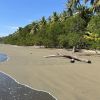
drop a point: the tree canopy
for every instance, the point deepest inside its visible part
(62, 30)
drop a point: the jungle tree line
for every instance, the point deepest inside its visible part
(63, 30)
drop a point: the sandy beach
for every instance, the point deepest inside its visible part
(59, 77)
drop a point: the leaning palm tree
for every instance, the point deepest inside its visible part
(94, 3)
(76, 3)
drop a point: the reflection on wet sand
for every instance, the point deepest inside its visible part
(11, 90)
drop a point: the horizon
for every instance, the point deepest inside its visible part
(16, 14)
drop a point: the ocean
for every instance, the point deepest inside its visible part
(3, 57)
(10, 89)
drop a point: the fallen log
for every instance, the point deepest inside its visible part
(73, 58)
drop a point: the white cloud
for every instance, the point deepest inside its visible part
(12, 27)
(3, 34)
(6, 30)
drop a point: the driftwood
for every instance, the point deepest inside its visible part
(73, 58)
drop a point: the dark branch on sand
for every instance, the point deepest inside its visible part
(73, 58)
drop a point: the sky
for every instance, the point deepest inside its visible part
(18, 13)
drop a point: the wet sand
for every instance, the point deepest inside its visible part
(10, 89)
(59, 77)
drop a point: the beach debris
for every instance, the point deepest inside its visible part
(72, 58)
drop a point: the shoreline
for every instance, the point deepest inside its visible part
(28, 86)
(58, 76)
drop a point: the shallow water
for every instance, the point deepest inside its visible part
(12, 90)
(3, 57)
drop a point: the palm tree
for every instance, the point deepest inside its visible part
(76, 3)
(63, 15)
(55, 17)
(42, 22)
(49, 19)
(95, 3)
(34, 28)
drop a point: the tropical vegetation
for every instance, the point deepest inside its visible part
(78, 25)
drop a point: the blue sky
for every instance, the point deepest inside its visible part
(16, 13)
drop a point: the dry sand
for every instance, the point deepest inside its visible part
(64, 80)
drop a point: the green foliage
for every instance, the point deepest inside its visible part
(75, 24)
(73, 39)
(63, 30)
(63, 41)
(94, 25)
(94, 28)
(74, 4)
(64, 33)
